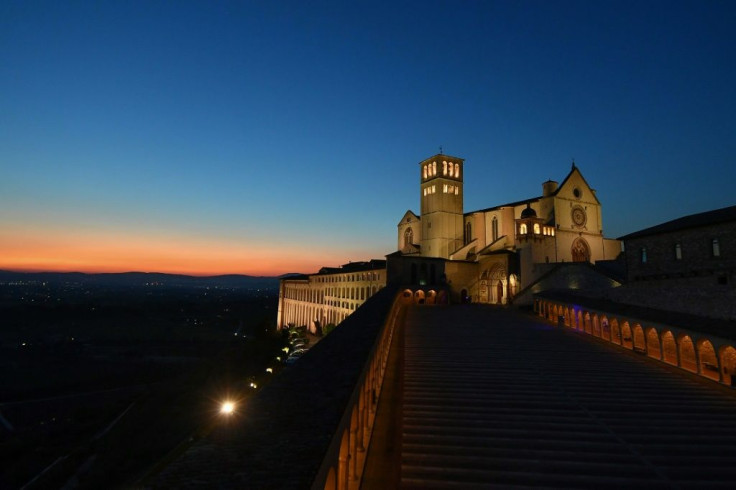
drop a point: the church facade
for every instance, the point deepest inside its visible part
(491, 254)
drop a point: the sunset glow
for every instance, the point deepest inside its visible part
(35, 251)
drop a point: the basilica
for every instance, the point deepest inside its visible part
(498, 255)
(491, 254)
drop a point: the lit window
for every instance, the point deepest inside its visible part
(424, 171)
(522, 229)
(451, 169)
(444, 188)
(716, 248)
(425, 191)
(444, 168)
(643, 255)
(456, 190)
(434, 168)
(536, 228)
(457, 170)
(678, 251)
(433, 189)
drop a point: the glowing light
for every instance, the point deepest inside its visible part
(269, 370)
(285, 349)
(227, 408)
(253, 385)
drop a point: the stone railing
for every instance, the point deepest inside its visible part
(708, 354)
(344, 460)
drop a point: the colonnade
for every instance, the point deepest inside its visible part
(706, 355)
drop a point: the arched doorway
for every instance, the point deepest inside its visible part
(493, 287)
(728, 365)
(708, 360)
(687, 354)
(580, 250)
(669, 348)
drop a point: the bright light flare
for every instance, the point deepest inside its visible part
(227, 408)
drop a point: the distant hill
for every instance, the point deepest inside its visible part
(133, 279)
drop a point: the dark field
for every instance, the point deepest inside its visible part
(99, 384)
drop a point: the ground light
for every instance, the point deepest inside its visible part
(227, 407)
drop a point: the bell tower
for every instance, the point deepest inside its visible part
(441, 195)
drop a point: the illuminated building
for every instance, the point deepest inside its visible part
(492, 254)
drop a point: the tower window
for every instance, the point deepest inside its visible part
(643, 255)
(678, 251)
(424, 171)
(444, 168)
(716, 248)
(456, 190)
(451, 170)
(434, 168)
(457, 170)
(494, 227)
(523, 229)
(536, 228)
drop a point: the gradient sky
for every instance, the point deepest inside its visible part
(271, 137)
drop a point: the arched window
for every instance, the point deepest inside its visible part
(434, 168)
(522, 229)
(452, 170)
(444, 168)
(424, 171)
(457, 170)
(494, 227)
(536, 228)
(468, 235)
(408, 237)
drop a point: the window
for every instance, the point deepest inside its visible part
(456, 190)
(424, 171)
(716, 248)
(494, 227)
(643, 255)
(678, 251)
(468, 236)
(457, 170)
(408, 237)
(536, 228)
(451, 169)
(434, 168)
(522, 229)
(444, 168)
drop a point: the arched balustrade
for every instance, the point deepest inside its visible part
(711, 358)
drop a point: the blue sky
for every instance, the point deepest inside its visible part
(283, 135)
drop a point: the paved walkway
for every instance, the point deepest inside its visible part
(493, 398)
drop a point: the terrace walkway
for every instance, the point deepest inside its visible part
(492, 397)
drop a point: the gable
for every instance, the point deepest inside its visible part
(409, 217)
(575, 187)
